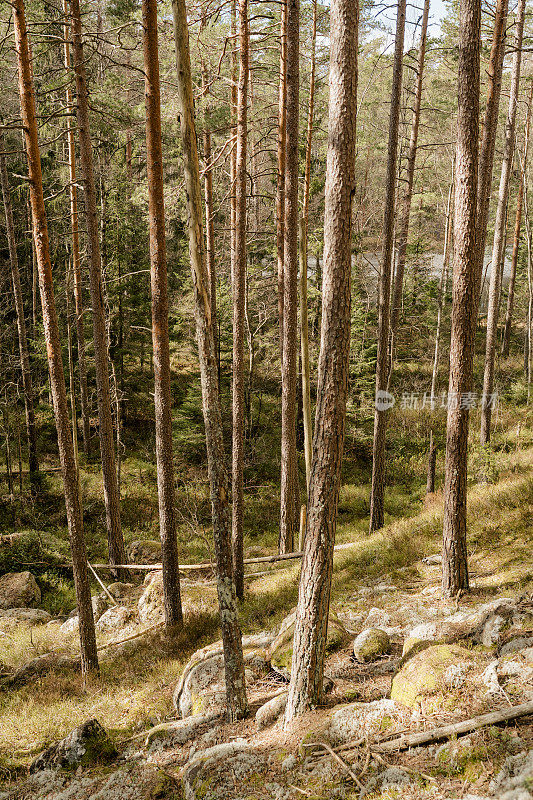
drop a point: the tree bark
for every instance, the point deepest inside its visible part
(160, 341)
(239, 301)
(516, 239)
(31, 430)
(377, 508)
(78, 299)
(310, 632)
(488, 143)
(496, 272)
(405, 210)
(304, 220)
(432, 457)
(209, 213)
(231, 634)
(464, 306)
(282, 156)
(89, 656)
(101, 361)
(289, 511)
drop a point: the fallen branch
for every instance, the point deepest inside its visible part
(346, 767)
(211, 564)
(102, 584)
(455, 729)
(132, 636)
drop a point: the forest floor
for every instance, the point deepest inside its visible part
(383, 574)
(381, 579)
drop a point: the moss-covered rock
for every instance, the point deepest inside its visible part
(280, 652)
(86, 745)
(202, 689)
(371, 644)
(145, 551)
(429, 672)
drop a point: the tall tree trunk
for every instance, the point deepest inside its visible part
(488, 143)
(282, 157)
(231, 633)
(454, 552)
(233, 118)
(310, 632)
(528, 343)
(72, 390)
(209, 212)
(377, 508)
(304, 220)
(239, 301)
(516, 239)
(432, 459)
(78, 300)
(289, 378)
(31, 431)
(101, 361)
(405, 210)
(89, 656)
(499, 233)
(160, 341)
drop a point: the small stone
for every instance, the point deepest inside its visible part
(371, 644)
(432, 560)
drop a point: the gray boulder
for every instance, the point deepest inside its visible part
(271, 710)
(202, 687)
(222, 772)
(29, 616)
(515, 780)
(144, 551)
(19, 590)
(114, 618)
(371, 644)
(85, 745)
(150, 605)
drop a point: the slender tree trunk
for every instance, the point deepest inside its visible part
(454, 553)
(442, 292)
(405, 210)
(432, 458)
(160, 341)
(231, 633)
(31, 430)
(101, 361)
(289, 511)
(528, 343)
(488, 143)
(209, 212)
(89, 656)
(9, 474)
(377, 508)
(72, 391)
(496, 272)
(239, 301)
(233, 117)
(282, 157)
(78, 300)
(304, 220)
(310, 632)
(516, 239)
